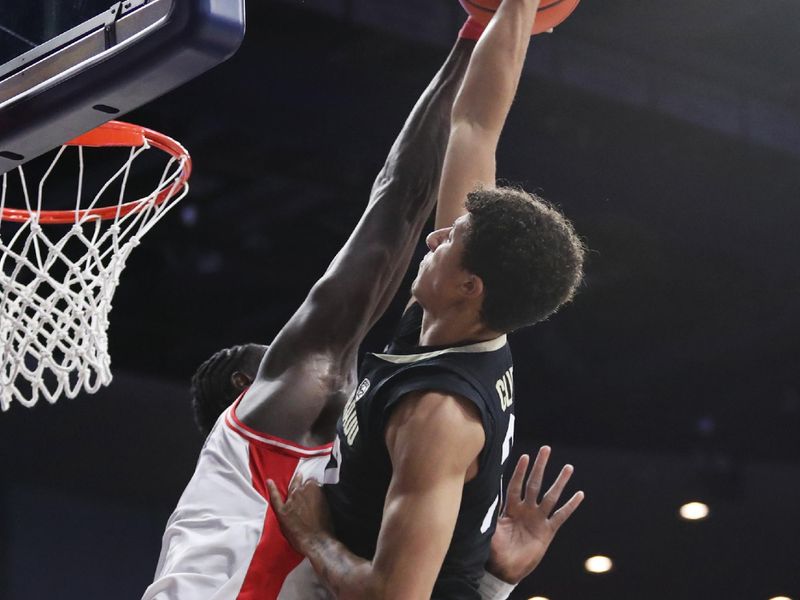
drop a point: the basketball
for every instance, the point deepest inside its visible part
(551, 12)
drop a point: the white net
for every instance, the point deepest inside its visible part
(58, 281)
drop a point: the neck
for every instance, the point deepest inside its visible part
(452, 327)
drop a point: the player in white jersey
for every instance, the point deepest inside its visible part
(222, 541)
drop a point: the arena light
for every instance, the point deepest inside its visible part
(694, 511)
(598, 564)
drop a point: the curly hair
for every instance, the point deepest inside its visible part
(527, 254)
(213, 389)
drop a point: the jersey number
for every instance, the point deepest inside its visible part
(508, 443)
(331, 476)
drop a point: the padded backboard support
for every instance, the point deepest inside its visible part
(110, 64)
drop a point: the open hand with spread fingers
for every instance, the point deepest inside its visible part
(526, 526)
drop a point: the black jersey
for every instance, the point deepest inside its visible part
(358, 475)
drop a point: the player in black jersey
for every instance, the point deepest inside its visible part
(415, 476)
(526, 527)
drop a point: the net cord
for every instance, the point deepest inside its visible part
(53, 330)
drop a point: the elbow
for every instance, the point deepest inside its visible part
(478, 124)
(460, 116)
(373, 588)
(374, 584)
(380, 589)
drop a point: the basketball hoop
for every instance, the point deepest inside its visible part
(59, 268)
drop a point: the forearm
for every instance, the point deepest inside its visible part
(347, 576)
(415, 160)
(411, 175)
(493, 74)
(482, 105)
(344, 304)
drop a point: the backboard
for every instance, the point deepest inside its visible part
(67, 66)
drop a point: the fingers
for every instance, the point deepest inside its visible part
(551, 497)
(565, 512)
(537, 474)
(295, 483)
(554, 493)
(275, 498)
(514, 490)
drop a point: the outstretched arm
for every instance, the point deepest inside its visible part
(420, 510)
(525, 529)
(314, 353)
(478, 117)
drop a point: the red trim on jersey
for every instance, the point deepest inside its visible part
(274, 558)
(274, 442)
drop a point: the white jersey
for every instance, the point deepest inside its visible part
(223, 542)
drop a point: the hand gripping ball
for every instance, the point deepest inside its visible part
(550, 14)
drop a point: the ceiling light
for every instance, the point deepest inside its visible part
(598, 564)
(773, 598)
(694, 511)
(543, 598)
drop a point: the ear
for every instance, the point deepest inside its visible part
(472, 286)
(240, 380)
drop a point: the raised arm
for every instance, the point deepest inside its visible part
(421, 505)
(482, 105)
(341, 306)
(316, 349)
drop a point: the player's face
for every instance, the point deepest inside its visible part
(440, 272)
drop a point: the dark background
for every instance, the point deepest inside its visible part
(669, 133)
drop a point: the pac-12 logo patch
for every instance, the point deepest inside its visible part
(362, 389)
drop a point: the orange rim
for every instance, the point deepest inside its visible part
(114, 134)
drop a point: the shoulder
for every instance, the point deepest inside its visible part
(442, 423)
(436, 407)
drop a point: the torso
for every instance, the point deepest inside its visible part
(223, 542)
(359, 473)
